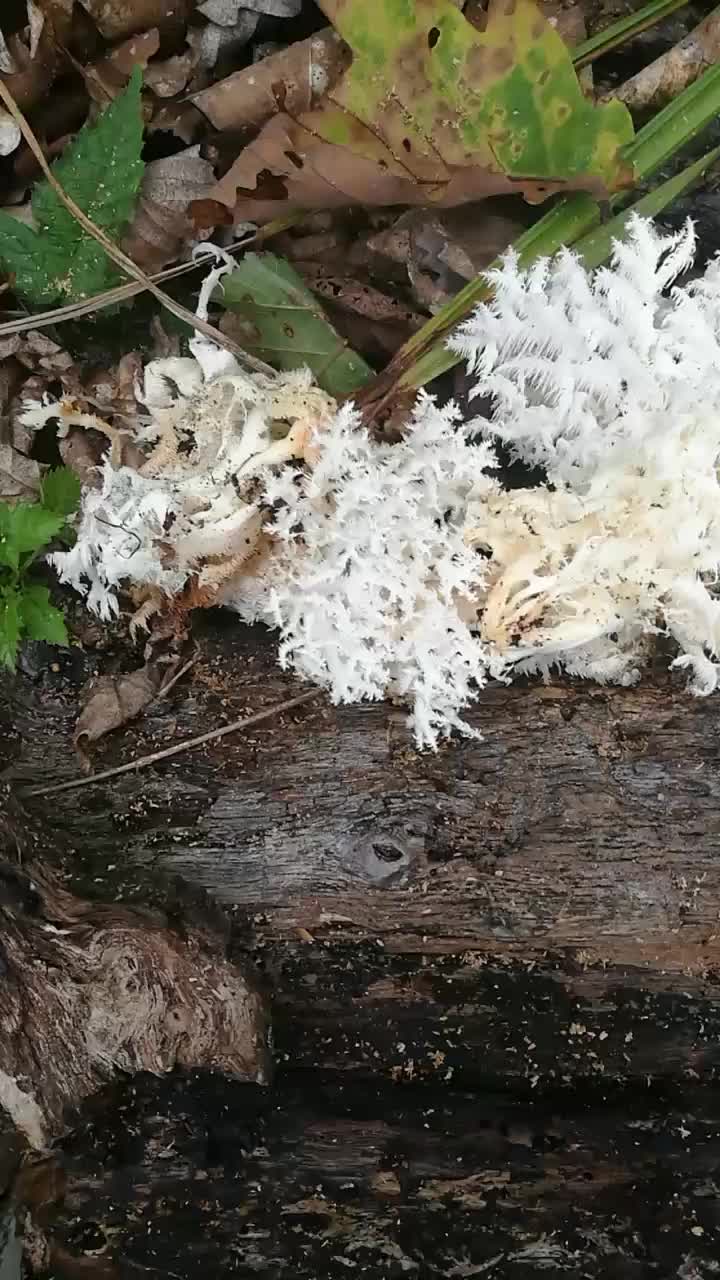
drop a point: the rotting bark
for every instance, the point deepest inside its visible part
(533, 908)
(535, 911)
(90, 990)
(316, 1180)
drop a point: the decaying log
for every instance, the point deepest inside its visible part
(314, 1180)
(539, 911)
(88, 990)
(532, 909)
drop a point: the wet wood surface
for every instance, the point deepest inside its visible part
(492, 974)
(319, 1179)
(538, 906)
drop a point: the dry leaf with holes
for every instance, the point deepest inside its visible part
(350, 294)
(400, 127)
(294, 79)
(161, 225)
(112, 701)
(373, 323)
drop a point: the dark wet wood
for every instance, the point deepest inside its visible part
(314, 1180)
(537, 913)
(535, 908)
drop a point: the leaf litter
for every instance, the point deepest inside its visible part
(429, 113)
(424, 107)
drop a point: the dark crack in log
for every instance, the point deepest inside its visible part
(90, 990)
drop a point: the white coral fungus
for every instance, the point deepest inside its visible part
(406, 569)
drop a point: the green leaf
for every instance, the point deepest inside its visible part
(40, 619)
(283, 323)
(9, 554)
(101, 170)
(61, 491)
(24, 528)
(428, 86)
(9, 627)
(425, 355)
(33, 265)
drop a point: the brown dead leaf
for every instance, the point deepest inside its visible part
(373, 323)
(112, 701)
(169, 76)
(106, 395)
(208, 214)
(57, 14)
(364, 143)
(108, 77)
(19, 475)
(180, 119)
(442, 250)
(116, 19)
(295, 79)
(162, 224)
(112, 391)
(164, 344)
(36, 351)
(287, 166)
(83, 452)
(33, 72)
(349, 294)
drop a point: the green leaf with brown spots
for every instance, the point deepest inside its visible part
(277, 318)
(432, 110)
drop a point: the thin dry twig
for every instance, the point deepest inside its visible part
(174, 679)
(118, 257)
(143, 761)
(72, 310)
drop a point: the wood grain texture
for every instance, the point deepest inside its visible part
(535, 908)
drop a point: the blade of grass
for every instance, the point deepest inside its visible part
(624, 29)
(596, 247)
(425, 356)
(678, 123)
